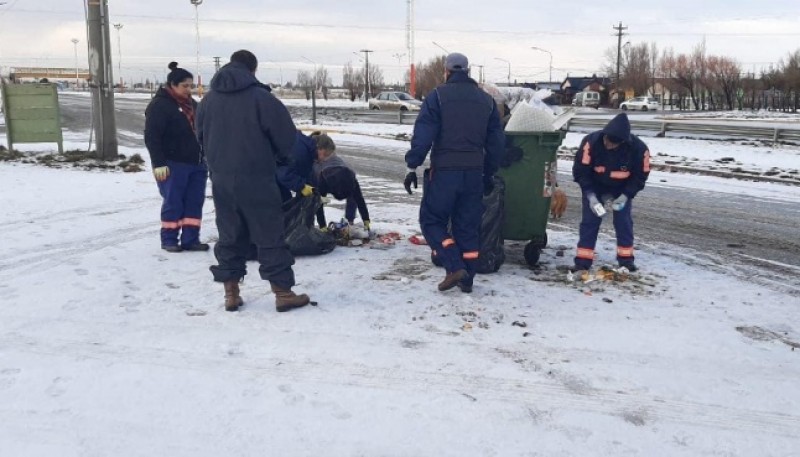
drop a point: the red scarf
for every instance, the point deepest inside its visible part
(185, 105)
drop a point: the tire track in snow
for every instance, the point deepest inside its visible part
(543, 393)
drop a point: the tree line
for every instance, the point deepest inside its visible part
(702, 81)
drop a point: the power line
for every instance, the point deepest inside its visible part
(431, 30)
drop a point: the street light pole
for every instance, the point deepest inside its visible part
(119, 51)
(550, 79)
(197, 4)
(77, 78)
(509, 68)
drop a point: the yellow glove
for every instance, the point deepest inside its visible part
(307, 191)
(161, 173)
(366, 225)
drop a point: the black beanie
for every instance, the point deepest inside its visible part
(177, 75)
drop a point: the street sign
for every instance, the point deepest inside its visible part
(32, 114)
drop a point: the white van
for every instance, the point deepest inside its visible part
(587, 98)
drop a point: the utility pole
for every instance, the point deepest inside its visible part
(619, 30)
(217, 63)
(102, 86)
(75, 42)
(197, 4)
(410, 45)
(119, 50)
(366, 74)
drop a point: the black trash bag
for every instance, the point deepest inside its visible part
(302, 236)
(492, 255)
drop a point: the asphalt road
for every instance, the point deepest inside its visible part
(748, 236)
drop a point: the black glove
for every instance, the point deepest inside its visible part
(488, 185)
(411, 178)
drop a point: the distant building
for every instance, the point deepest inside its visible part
(573, 85)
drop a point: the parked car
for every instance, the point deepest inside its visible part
(588, 98)
(640, 104)
(393, 101)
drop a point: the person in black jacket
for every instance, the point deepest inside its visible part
(611, 166)
(333, 176)
(177, 161)
(460, 126)
(246, 132)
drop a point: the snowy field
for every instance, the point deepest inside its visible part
(110, 346)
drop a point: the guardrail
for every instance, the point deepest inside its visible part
(774, 134)
(387, 117)
(661, 127)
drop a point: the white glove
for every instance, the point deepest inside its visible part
(619, 203)
(597, 208)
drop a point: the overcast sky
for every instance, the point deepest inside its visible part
(285, 33)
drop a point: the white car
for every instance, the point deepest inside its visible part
(640, 104)
(393, 101)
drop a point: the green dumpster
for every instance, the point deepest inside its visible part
(530, 182)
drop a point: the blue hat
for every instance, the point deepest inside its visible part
(456, 62)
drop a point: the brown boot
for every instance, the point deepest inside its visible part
(232, 299)
(452, 279)
(286, 300)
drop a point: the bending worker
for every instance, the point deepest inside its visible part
(611, 167)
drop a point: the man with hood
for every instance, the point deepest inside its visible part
(246, 132)
(459, 124)
(611, 166)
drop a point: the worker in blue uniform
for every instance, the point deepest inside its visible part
(611, 167)
(460, 126)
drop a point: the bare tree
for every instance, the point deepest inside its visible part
(724, 75)
(429, 75)
(305, 81)
(353, 81)
(376, 82)
(322, 80)
(791, 75)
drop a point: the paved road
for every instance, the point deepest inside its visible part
(749, 236)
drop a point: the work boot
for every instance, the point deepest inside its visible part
(197, 247)
(232, 299)
(465, 286)
(171, 248)
(629, 265)
(452, 279)
(286, 300)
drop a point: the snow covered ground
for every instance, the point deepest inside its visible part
(110, 346)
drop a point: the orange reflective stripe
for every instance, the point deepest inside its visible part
(624, 251)
(647, 161)
(471, 255)
(620, 174)
(448, 242)
(585, 253)
(170, 225)
(190, 221)
(587, 154)
(600, 169)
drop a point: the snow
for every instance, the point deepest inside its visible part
(110, 346)
(704, 153)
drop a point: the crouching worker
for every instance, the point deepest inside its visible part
(611, 166)
(297, 174)
(334, 177)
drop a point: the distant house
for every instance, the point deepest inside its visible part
(573, 85)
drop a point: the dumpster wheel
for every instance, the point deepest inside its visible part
(532, 253)
(533, 250)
